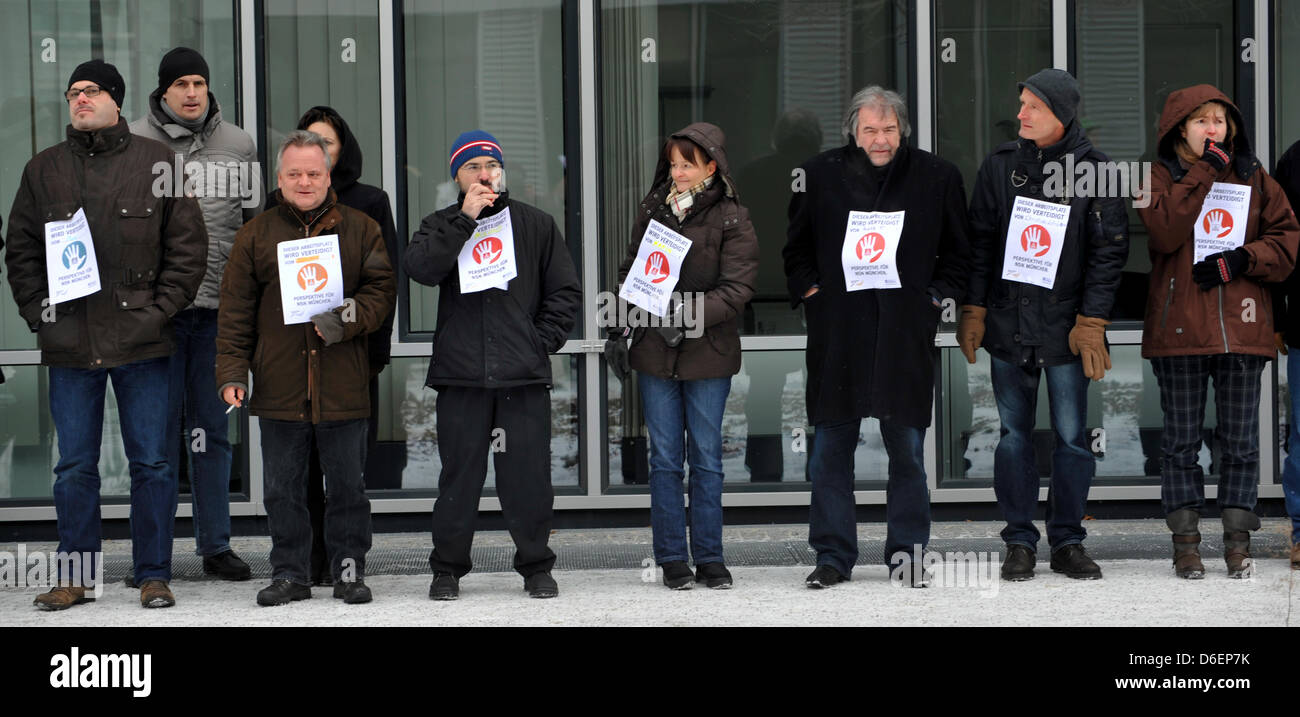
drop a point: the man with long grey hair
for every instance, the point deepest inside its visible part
(305, 283)
(876, 241)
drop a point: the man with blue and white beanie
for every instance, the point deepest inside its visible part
(509, 295)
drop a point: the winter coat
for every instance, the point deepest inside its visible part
(150, 249)
(871, 352)
(721, 267)
(221, 149)
(373, 202)
(1237, 317)
(1286, 296)
(296, 377)
(1028, 324)
(494, 338)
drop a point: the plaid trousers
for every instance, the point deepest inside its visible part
(1182, 382)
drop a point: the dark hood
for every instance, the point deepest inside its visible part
(1178, 106)
(711, 138)
(347, 171)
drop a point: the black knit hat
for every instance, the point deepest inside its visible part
(1058, 89)
(180, 62)
(104, 75)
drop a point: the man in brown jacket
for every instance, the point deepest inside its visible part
(310, 366)
(130, 260)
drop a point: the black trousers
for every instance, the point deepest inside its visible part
(467, 419)
(320, 559)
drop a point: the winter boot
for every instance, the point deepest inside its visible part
(1237, 524)
(1187, 543)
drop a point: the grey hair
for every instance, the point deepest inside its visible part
(302, 138)
(880, 98)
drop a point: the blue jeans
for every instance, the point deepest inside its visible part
(1291, 468)
(196, 405)
(77, 407)
(672, 409)
(285, 448)
(832, 524)
(1015, 473)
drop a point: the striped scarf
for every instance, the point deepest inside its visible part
(681, 202)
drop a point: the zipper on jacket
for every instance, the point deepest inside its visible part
(1169, 299)
(1222, 328)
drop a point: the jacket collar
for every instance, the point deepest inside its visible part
(109, 139)
(1074, 142)
(159, 119)
(317, 220)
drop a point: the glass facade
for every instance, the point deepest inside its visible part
(581, 94)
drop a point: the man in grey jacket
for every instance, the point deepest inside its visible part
(216, 162)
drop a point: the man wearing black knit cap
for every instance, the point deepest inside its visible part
(1047, 264)
(99, 264)
(184, 115)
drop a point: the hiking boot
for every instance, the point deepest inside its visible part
(1187, 543)
(282, 592)
(541, 585)
(445, 586)
(823, 577)
(714, 576)
(227, 566)
(62, 598)
(678, 575)
(1019, 563)
(155, 593)
(1237, 524)
(1075, 563)
(353, 593)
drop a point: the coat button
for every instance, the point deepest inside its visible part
(491, 379)
(313, 352)
(1025, 301)
(124, 211)
(123, 304)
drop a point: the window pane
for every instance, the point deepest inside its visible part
(44, 42)
(1286, 75)
(494, 65)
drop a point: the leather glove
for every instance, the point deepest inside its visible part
(1279, 340)
(1216, 154)
(970, 330)
(1088, 341)
(616, 354)
(1220, 268)
(330, 326)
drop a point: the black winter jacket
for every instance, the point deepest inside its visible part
(151, 250)
(1029, 324)
(1286, 296)
(871, 352)
(494, 338)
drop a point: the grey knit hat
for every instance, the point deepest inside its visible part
(1058, 89)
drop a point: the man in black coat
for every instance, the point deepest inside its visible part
(1286, 314)
(1044, 313)
(490, 363)
(877, 238)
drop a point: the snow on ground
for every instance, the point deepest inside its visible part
(1134, 593)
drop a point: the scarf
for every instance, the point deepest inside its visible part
(681, 202)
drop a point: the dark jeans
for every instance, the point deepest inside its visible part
(466, 419)
(832, 528)
(195, 404)
(77, 407)
(316, 483)
(1015, 476)
(285, 445)
(1183, 393)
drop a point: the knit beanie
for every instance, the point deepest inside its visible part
(1058, 89)
(180, 62)
(104, 75)
(475, 143)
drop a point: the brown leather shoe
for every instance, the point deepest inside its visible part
(1236, 553)
(1187, 557)
(62, 598)
(1295, 556)
(155, 593)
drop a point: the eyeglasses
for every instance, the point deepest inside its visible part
(476, 167)
(91, 92)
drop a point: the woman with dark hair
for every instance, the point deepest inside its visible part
(345, 171)
(684, 371)
(1220, 228)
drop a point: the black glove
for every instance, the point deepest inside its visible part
(1216, 154)
(616, 354)
(1220, 268)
